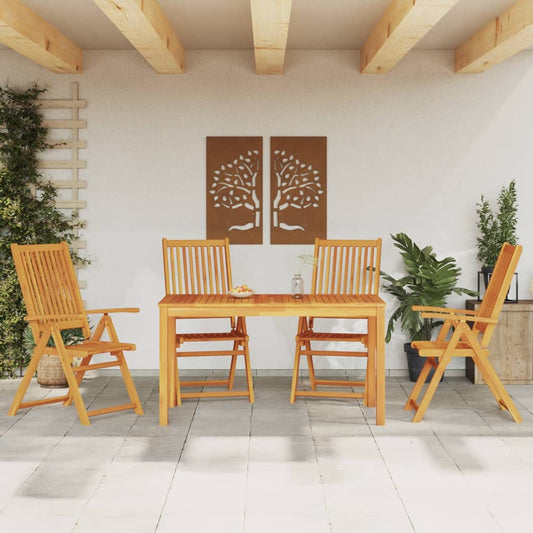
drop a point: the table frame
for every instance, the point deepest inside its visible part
(364, 306)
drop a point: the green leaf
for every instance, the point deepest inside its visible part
(429, 281)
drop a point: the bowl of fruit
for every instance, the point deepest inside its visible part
(241, 291)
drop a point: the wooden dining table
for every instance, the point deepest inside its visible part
(183, 306)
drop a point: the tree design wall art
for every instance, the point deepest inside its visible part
(235, 189)
(298, 189)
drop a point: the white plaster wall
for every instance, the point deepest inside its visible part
(408, 151)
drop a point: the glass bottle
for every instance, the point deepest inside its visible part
(297, 286)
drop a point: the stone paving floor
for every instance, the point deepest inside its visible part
(318, 466)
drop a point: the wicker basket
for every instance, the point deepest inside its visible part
(50, 374)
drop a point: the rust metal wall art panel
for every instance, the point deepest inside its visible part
(298, 172)
(235, 189)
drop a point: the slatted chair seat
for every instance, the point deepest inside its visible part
(339, 267)
(204, 267)
(311, 335)
(206, 337)
(53, 302)
(97, 347)
(466, 334)
(437, 349)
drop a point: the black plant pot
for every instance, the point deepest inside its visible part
(487, 273)
(415, 363)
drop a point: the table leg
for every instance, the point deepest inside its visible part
(163, 366)
(370, 386)
(380, 366)
(174, 394)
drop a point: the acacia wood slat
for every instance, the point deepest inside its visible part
(325, 305)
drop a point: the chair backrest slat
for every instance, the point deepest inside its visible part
(496, 292)
(203, 266)
(49, 286)
(346, 266)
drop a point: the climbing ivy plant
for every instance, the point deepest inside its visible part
(27, 212)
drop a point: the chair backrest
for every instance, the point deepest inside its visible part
(197, 266)
(499, 284)
(49, 286)
(346, 266)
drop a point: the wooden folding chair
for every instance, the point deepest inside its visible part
(204, 267)
(53, 303)
(470, 333)
(340, 267)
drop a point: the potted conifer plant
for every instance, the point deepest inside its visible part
(428, 281)
(496, 227)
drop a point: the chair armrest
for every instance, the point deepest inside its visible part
(115, 310)
(443, 310)
(460, 318)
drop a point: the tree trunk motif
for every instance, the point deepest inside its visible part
(234, 186)
(298, 187)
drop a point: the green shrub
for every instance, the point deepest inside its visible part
(27, 212)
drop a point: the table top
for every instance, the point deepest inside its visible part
(325, 305)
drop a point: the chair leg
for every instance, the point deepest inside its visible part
(370, 378)
(24, 384)
(433, 384)
(30, 371)
(74, 390)
(233, 366)
(311, 366)
(248, 369)
(176, 387)
(240, 326)
(496, 387)
(130, 386)
(295, 371)
(79, 376)
(411, 402)
(126, 376)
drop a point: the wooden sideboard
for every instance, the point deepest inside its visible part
(511, 346)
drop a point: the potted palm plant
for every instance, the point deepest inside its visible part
(428, 281)
(496, 228)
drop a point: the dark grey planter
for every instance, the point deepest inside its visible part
(487, 273)
(415, 363)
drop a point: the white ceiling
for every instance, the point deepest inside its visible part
(226, 24)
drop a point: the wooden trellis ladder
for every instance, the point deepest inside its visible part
(68, 187)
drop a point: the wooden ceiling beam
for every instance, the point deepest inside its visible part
(30, 35)
(270, 24)
(402, 25)
(146, 26)
(500, 39)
